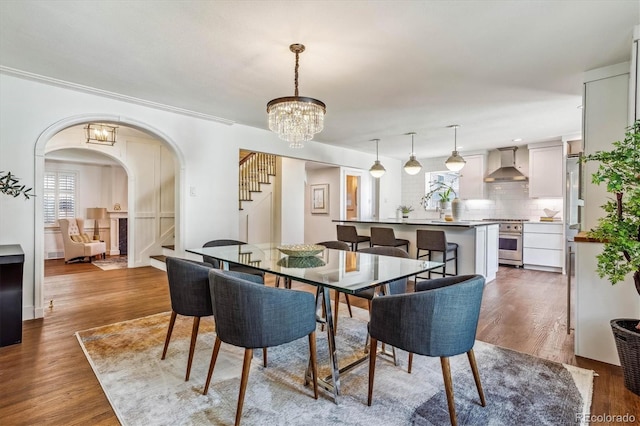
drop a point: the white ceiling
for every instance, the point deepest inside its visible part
(499, 69)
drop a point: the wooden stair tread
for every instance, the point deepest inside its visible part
(160, 258)
(170, 247)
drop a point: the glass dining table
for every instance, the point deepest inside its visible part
(346, 271)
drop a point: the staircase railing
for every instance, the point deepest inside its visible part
(255, 170)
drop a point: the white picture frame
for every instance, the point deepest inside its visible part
(319, 195)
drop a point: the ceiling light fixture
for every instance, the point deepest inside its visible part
(101, 134)
(377, 170)
(455, 162)
(295, 118)
(412, 166)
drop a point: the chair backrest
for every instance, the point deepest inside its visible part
(398, 286)
(70, 227)
(431, 240)
(337, 245)
(189, 287)
(347, 233)
(218, 243)
(382, 236)
(254, 316)
(440, 319)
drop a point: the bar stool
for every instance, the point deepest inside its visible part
(386, 237)
(348, 234)
(436, 241)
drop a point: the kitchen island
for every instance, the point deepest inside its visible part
(477, 240)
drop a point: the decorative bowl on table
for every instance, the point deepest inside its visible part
(301, 262)
(551, 213)
(301, 250)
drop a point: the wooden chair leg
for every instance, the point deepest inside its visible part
(346, 296)
(448, 387)
(246, 366)
(264, 357)
(410, 362)
(372, 368)
(172, 321)
(212, 364)
(192, 348)
(314, 363)
(476, 376)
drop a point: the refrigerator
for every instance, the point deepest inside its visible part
(573, 204)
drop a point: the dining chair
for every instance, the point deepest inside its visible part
(189, 293)
(338, 245)
(386, 237)
(236, 268)
(436, 241)
(253, 316)
(348, 234)
(439, 320)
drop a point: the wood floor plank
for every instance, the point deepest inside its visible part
(47, 380)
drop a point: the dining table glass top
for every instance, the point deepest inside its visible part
(345, 271)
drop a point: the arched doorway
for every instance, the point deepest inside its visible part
(47, 142)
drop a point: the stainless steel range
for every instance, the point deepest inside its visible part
(509, 241)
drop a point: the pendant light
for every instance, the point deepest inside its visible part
(412, 166)
(455, 163)
(296, 118)
(377, 170)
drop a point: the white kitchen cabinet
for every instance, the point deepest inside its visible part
(543, 246)
(546, 170)
(487, 251)
(471, 178)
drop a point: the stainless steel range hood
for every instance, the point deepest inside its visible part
(507, 171)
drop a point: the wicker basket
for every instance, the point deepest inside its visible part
(628, 344)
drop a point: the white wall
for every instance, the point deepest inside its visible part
(319, 227)
(31, 112)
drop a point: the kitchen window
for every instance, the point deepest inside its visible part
(446, 177)
(59, 196)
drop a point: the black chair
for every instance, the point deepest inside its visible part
(348, 234)
(236, 268)
(439, 319)
(387, 238)
(254, 316)
(189, 292)
(338, 245)
(436, 241)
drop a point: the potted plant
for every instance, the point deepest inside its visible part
(619, 230)
(405, 211)
(9, 186)
(447, 196)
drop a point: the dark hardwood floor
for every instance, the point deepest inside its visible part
(47, 380)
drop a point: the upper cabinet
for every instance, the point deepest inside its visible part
(471, 177)
(546, 170)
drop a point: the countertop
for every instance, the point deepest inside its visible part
(420, 222)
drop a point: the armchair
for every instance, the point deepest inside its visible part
(77, 244)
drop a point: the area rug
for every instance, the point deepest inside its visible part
(113, 262)
(144, 390)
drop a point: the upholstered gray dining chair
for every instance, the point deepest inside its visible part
(338, 245)
(254, 316)
(189, 292)
(232, 267)
(439, 319)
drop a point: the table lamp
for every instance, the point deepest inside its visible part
(96, 213)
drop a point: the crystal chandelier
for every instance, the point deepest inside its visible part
(412, 166)
(295, 118)
(377, 170)
(455, 162)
